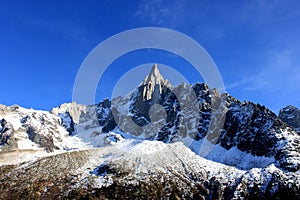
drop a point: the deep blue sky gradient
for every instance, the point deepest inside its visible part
(255, 45)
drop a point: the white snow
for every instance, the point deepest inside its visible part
(233, 156)
(45, 124)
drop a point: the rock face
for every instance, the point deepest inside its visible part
(151, 103)
(7, 139)
(158, 111)
(150, 143)
(153, 90)
(83, 117)
(28, 129)
(155, 111)
(254, 129)
(154, 85)
(291, 116)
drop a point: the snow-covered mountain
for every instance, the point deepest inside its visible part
(27, 133)
(291, 116)
(159, 141)
(154, 112)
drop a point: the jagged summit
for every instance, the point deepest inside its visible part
(153, 143)
(291, 115)
(154, 83)
(154, 76)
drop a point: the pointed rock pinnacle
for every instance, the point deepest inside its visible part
(154, 82)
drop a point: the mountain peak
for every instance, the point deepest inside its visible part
(291, 115)
(154, 69)
(154, 76)
(154, 82)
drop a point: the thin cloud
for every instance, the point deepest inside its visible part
(260, 13)
(235, 84)
(64, 27)
(153, 11)
(279, 72)
(158, 12)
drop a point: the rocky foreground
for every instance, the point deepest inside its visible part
(131, 169)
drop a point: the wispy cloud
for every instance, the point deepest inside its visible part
(279, 73)
(275, 83)
(235, 84)
(260, 13)
(66, 28)
(158, 12)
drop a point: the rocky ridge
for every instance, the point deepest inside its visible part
(249, 127)
(291, 116)
(150, 143)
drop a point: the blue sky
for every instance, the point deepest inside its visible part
(255, 45)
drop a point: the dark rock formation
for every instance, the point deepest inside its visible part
(158, 111)
(252, 128)
(40, 139)
(291, 116)
(105, 116)
(7, 140)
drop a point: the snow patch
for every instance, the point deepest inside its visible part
(233, 156)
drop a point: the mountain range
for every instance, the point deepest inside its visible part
(158, 142)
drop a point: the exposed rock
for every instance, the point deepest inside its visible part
(75, 115)
(291, 116)
(153, 85)
(7, 140)
(75, 110)
(68, 122)
(153, 90)
(130, 167)
(250, 127)
(105, 116)
(40, 139)
(158, 111)
(31, 130)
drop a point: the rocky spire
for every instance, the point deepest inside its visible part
(291, 116)
(154, 83)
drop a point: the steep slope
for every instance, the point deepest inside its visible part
(32, 133)
(150, 143)
(291, 116)
(152, 91)
(134, 169)
(191, 114)
(154, 85)
(90, 123)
